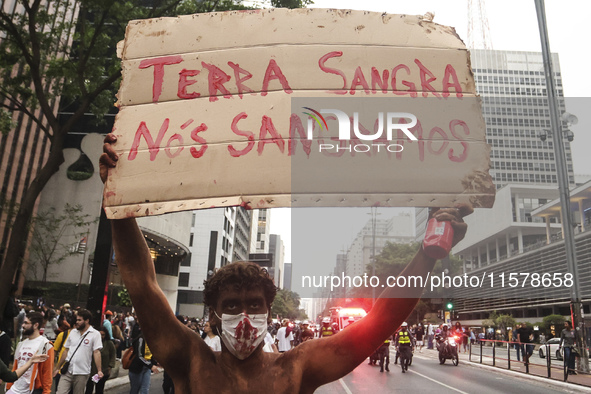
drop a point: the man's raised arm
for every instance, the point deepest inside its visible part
(333, 357)
(135, 264)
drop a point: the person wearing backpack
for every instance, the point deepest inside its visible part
(142, 365)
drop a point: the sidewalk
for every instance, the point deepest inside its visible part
(120, 380)
(536, 371)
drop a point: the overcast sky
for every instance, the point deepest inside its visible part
(513, 26)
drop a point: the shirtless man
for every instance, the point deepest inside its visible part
(196, 369)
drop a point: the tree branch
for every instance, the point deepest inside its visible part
(214, 5)
(13, 32)
(97, 31)
(35, 66)
(89, 99)
(18, 106)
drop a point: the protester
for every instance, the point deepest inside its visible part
(107, 323)
(5, 348)
(39, 377)
(65, 314)
(108, 354)
(239, 296)
(11, 311)
(11, 376)
(284, 337)
(307, 334)
(212, 340)
(83, 344)
(142, 365)
(51, 326)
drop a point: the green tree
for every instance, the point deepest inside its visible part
(124, 298)
(50, 235)
(504, 321)
(287, 304)
(48, 57)
(392, 260)
(491, 321)
(553, 320)
(500, 321)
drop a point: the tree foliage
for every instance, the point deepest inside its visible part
(124, 298)
(553, 320)
(52, 234)
(63, 54)
(500, 321)
(392, 260)
(287, 305)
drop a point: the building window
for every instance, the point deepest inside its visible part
(184, 279)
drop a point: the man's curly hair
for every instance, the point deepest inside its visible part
(239, 275)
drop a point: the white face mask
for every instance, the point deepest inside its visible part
(243, 333)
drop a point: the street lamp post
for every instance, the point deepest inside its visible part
(562, 174)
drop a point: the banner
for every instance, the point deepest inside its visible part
(305, 107)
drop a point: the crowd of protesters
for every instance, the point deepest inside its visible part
(33, 323)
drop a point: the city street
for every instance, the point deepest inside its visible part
(425, 375)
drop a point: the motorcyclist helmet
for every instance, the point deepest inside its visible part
(404, 324)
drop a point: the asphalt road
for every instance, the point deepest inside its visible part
(425, 375)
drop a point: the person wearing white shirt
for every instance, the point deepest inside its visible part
(284, 340)
(82, 345)
(212, 340)
(430, 335)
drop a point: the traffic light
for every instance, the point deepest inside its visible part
(449, 305)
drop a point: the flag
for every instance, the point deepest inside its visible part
(81, 245)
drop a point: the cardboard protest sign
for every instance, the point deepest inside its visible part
(306, 107)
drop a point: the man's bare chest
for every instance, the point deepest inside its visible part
(272, 378)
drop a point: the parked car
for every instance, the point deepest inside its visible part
(555, 351)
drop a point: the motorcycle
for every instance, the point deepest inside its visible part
(448, 349)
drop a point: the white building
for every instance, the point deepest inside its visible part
(259, 231)
(508, 228)
(515, 108)
(398, 229)
(217, 237)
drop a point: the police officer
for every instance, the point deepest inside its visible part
(326, 329)
(404, 341)
(384, 352)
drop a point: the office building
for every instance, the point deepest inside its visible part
(217, 238)
(277, 249)
(259, 231)
(493, 246)
(398, 229)
(287, 276)
(516, 112)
